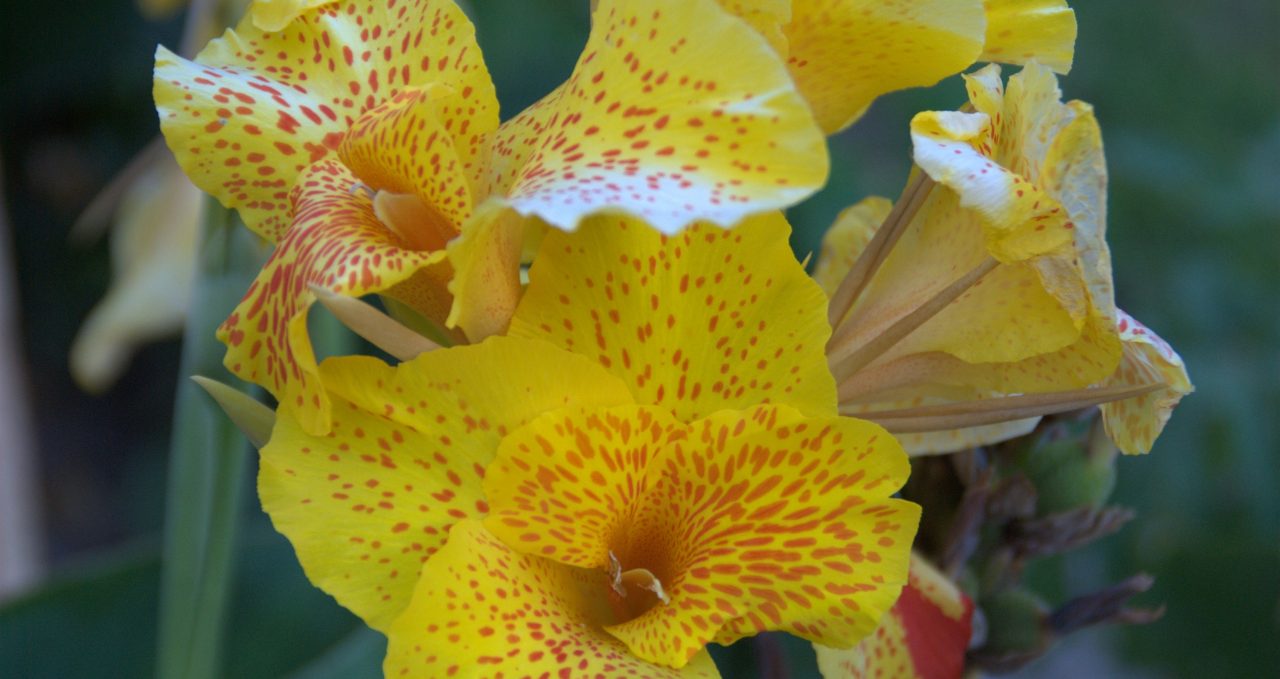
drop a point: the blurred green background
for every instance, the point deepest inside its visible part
(1189, 101)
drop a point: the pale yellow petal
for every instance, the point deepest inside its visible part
(1019, 31)
(154, 246)
(1135, 423)
(845, 53)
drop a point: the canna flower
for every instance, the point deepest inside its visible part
(154, 247)
(363, 139)
(650, 461)
(924, 636)
(843, 54)
(986, 298)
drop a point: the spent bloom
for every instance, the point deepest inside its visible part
(363, 140)
(986, 299)
(650, 461)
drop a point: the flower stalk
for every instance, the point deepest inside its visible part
(208, 459)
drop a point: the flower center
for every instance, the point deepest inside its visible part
(419, 225)
(637, 590)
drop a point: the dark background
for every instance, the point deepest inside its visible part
(1187, 95)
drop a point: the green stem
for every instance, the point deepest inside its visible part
(206, 480)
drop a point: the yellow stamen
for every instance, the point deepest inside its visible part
(642, 578)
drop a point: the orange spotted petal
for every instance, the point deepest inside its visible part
(656, 122)
(366, 504)
(255, 108)
(421, 142)
(845, 53)
(1135, 423)
(335, 241)
(566, 486)
(483, 610)
(1022, 30)
(705, 320)
(924, 636)
(749, 520)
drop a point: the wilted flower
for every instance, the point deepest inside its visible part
(993, 284)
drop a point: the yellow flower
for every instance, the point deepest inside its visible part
(845, 53)
(153, 256)
(363, 139)
(987, 300)
(924, 636)
(649, 462)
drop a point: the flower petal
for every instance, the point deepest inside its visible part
(482, 610)
(655, 122)
(368, 503)
(1022, 30)
(154, 250)
(274, 15)
(749, 520)
(486, 262)
(959, 150)
(1135, 423)
(845, 53)
(256, 108)
(422, 142)
(706, 320)
(845, 240)
(335, 241)
(790, 527)
(924, 636)
(767, 17)
(565, 486)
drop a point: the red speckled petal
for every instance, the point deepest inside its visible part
(255, 108)
(750, 520)
(335, 241)
(481, 610)
(771, 521)
(1135, 423)
(366, 504)
(924, 636)
(565, 486)
(405, 146)
(706, 320)
(845, 53)
(659, 121)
